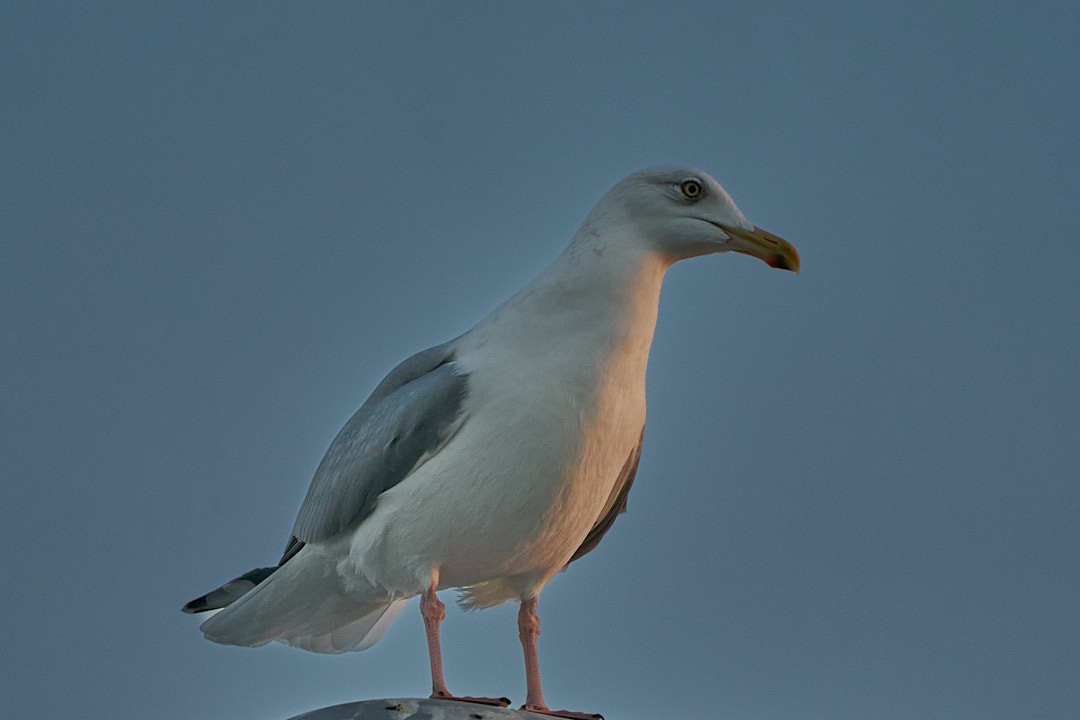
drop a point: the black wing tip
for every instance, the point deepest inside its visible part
(229, 592)
(197, 605)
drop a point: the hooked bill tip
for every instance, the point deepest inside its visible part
(781, 263)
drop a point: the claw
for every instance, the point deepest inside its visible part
(497, 702)
(563, 713)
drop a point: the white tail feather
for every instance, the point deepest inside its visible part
(357, 635)
(281, 608)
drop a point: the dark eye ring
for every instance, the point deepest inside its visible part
(691, 189)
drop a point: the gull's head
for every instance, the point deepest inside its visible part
(682, 213)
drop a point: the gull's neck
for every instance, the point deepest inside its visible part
(601, 294)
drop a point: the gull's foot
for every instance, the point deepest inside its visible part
(497, 702)
(562, 713)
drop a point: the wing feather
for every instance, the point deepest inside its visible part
(407, 418)
(616, 503)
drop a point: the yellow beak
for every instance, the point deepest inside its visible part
(773, 250)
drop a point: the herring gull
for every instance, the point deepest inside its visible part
(491, 462)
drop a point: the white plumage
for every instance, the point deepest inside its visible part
(488, 463)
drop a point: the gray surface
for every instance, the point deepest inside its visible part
(417, 709)
(221, 224)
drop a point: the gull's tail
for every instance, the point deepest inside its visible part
(303, 603)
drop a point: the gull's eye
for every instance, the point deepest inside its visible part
(691, 189)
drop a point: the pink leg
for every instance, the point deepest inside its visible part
(529, 631)
(433, 611)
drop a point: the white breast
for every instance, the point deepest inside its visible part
(556, 404)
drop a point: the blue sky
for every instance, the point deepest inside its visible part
(859, 495)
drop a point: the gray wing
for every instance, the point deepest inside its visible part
(408, 417)
(616, 504)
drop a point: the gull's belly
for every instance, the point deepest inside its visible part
(555, 405)
(511, 499)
